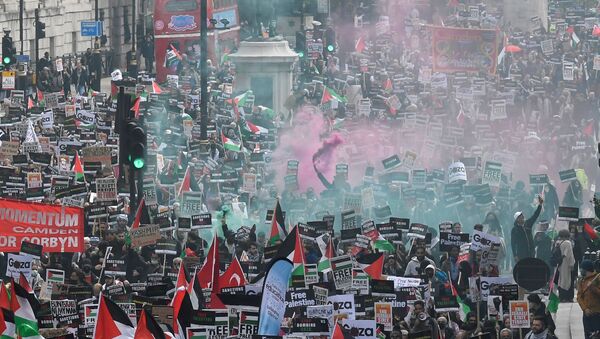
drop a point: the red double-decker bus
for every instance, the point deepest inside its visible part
(177, 32)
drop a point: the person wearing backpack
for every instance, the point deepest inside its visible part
(565, 264)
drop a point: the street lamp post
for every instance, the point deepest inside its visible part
(203, 70)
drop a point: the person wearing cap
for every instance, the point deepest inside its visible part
(446, 332)
(588, 297)
(521, 234)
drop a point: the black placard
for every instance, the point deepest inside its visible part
(568, 213)
(391, 162)
(32, 249)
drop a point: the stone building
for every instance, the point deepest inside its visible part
(63, 24)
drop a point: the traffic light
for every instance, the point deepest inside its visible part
(136, 145)
(330, 39)
(8, 51)
(300, 44)
(40, 32)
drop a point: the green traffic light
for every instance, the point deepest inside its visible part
(138, 163)
(330, 48)
(301, 54)
(6, 60)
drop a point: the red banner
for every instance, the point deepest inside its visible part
(57, 228)
(464, 50)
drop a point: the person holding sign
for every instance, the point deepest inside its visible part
(521, 234)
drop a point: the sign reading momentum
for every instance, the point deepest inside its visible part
(57, 228)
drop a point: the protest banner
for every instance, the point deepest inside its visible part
(57, 228)
(64, 312)
(364, 329)
(17, 264)
(342, 271)
(457, 172)
(449, 240)
(343, 306)
(383, 314)
(492, 173)
(144, 235)
(483, 240)
(450, 53)
(519, 314)
(106, 189)
(417, 231)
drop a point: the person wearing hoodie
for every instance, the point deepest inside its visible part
(416, 266)
(521, 234)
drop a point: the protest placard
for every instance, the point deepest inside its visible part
(144, 235)
(342, 271)
(519, 314)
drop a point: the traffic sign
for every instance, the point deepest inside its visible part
(91, 28)
(8, 80)
(22, 58)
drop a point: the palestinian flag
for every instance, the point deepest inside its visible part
(277, 226)
(372, 264)
(148, 328)
(195, 292)
(248, 317)
(268, 112)
(30, 103)
(141, 215)
(240, 100)
(25, 306)
(251, 128)
(324, 264)
(233, 276)
(553, 299)
(189, 183)
(111, 321)
(78, 168)
(291, 248)
(463, 308)
(230, 145)
(182, 313)
(7, 324)
(298, 257)
(338, 333)
(382, 244)
(329, 94)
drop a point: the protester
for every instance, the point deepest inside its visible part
(521, 234)
(588, 297)
(565, 267)
(539, 330)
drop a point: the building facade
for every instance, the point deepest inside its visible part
(63, 25)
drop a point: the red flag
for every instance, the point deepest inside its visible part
(30, 103)
(326, 96)
(596, 31)
(590, 231)
(138, 215)
(210, 270)
(156, 88)
(233, 276)
(360, 45)
(387, 85)
(570, 30)
(136, 108)
(4, 301)
(182, 313)
(337, 332)
(588, 130)
(39, 95)
(181, 277)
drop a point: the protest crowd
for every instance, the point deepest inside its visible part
(411, 189)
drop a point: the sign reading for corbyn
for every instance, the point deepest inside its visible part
(57, 228)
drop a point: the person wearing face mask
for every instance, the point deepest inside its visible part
(588, 297)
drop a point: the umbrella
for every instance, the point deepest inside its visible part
(512, 49)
